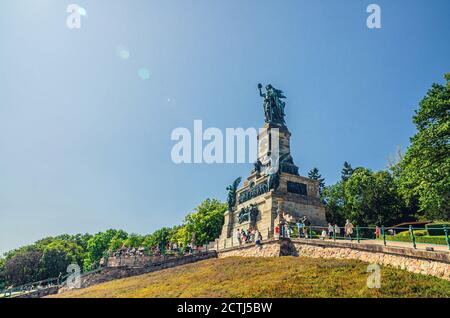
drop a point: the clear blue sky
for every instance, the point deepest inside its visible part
(85, 142)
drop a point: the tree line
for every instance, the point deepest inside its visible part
(416, 184)
(49, 257)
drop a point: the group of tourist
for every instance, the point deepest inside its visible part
(180, 248)
(177, 248)
(130, 251)
(285, 230)
(251, 235)
(335, 230)
(304, 230)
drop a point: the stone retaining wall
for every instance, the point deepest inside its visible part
(138, 261)
(270, 248)
(422, 262)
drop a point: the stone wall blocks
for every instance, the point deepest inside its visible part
(317, 250)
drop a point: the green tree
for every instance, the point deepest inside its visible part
(22, 266)
(424, 173)
(207, 221)
(134, 240)
(346, 171)
(366, 198)
(158, 238)
(81, 240)
(372, 198)
(57, 256)
(2, 274)
(180, 234)
(117, 240)
(97, 245)
(314, 174)
(333, 197)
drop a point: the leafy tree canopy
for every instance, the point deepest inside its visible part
(424, 173)
(365, 198)
(206, 222)
(158, 238)
(314, 174)
(346, 171)
(50, 256)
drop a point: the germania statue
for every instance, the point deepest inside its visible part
(273, 105)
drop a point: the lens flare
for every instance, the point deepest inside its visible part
(144, 73)
(82, 11)
(123, 53)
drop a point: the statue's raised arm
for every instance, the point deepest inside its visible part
(260, 91)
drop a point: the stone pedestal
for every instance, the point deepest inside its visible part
(295, 197)
(292, 206)
(274, 148)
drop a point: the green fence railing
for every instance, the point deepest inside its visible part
(416, 237)
(40, 285)
(29, 288)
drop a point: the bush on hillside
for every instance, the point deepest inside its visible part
(434, 229)
(438, 240)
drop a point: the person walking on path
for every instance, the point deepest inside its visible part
(300, 229)
(238, 236)
(337, 230)
(377, 232)
(348, 229)
(330, 231)
(324, 234)
(306, 223)
(287, 230)
(258, 238)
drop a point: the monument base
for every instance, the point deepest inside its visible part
(295, 197)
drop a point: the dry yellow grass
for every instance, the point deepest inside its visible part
(269, 277)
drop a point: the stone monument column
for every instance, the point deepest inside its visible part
(274, 187)
(273, 140)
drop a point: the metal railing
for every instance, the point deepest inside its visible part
(412, 236)
(31, 287)
(41, 285)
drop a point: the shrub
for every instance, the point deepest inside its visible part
(407, 234)
(434, 229)
(438, 240)
(420, 233)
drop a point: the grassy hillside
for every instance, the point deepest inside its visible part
(269, 277)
